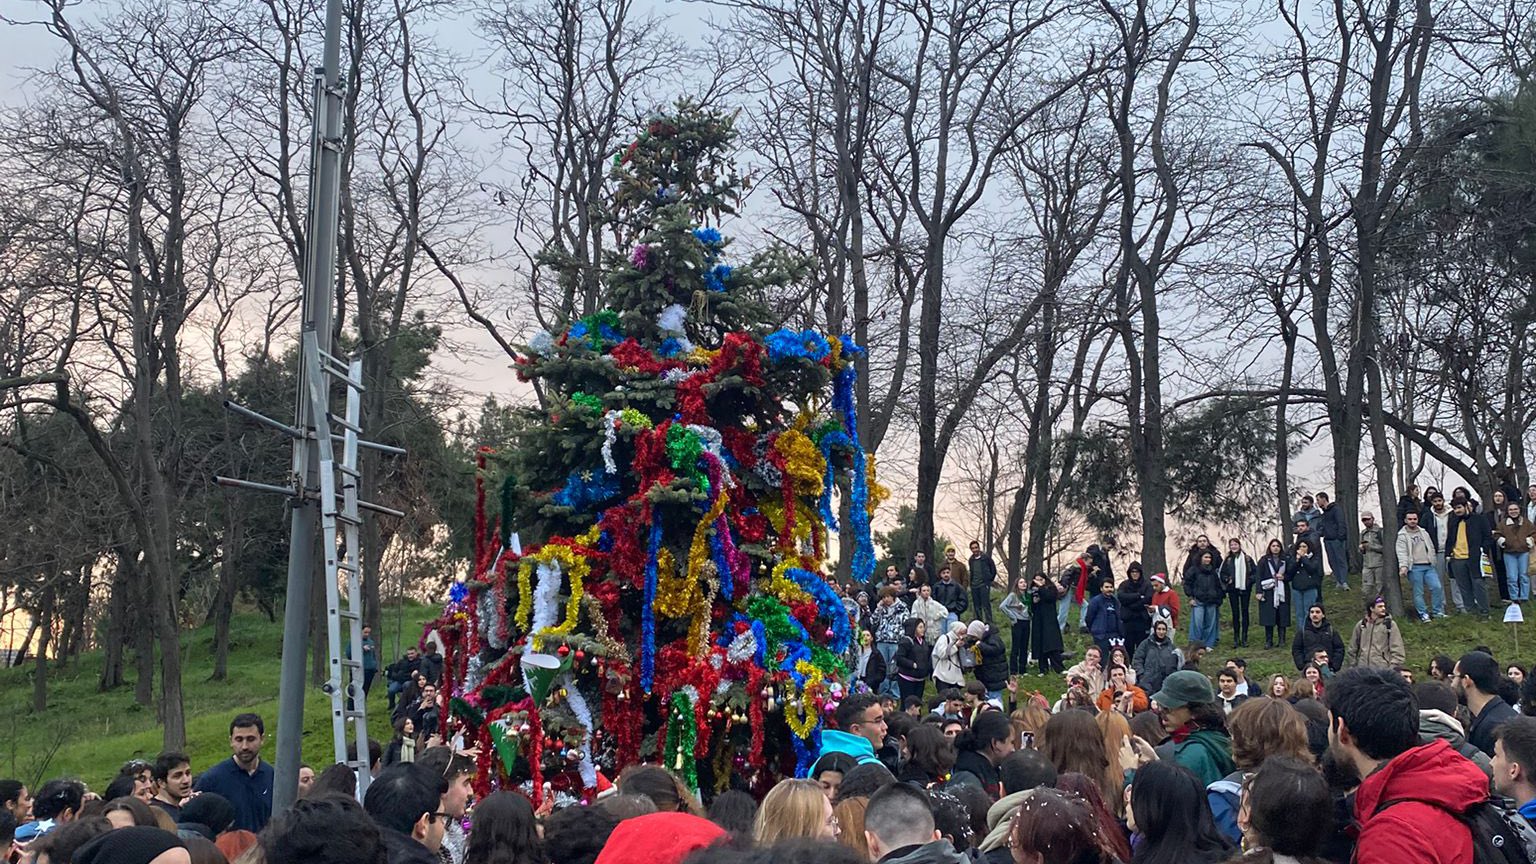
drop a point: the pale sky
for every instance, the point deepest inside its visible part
(489, 373)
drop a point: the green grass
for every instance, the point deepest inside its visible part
(1452, 636)
(89, 734)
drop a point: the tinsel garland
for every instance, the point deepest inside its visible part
(682, 735)
(648, 612)
(537, 612)
(578, 706)
(755, 716)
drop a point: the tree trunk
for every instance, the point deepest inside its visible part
(229, 584)
(45, 637)
(1283, 431)
(929, 461)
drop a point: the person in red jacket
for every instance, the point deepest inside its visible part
(1166, 598)
(1409, 803)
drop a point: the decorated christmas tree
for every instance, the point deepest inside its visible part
(654, 591)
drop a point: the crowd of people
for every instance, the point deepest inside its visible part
(1146, 758)
(1376, 769)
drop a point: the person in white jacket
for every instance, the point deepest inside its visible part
(933, 613)
(947, 671)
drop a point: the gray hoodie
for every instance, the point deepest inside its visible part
(1434, 723)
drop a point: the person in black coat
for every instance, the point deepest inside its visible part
(992, 670)
(871, 667)
(914, 660)
(1304, 574)
(1134, 596)
(952, 594)
(1317, 635)
(1044, 631)
(1468, 572)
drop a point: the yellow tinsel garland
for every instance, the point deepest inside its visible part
(802, 718)
(575, 568)
(803, 464)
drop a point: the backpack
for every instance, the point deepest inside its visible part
(1500, 835)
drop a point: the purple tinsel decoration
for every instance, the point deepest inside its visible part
(641, 256)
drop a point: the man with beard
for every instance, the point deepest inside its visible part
(982, 574)
(1476, 680)
(173, 779)
(1410, 804)
(243, 779)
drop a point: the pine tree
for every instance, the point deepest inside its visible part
(681, 485)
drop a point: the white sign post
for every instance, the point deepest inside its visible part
(1514, 617)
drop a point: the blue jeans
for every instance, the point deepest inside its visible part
(1063, 606)
(1205, 623)
(1338, 560)
(1301, 600)
(888, 652)
(1515, 565)
(1422, 579)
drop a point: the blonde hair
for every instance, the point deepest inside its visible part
(792, 809)
(1283, 680)
(1028, 718)
(850, 816)
(1116, 731)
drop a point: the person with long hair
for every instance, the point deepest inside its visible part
(1111, 835)
(1441, 667)
(930, 757)
(1056, 827)
(504, 832)
(403, 747)
(1279, 687)
(1029, 721)
(849, 814)
(1169, 813)
(794, 809)
(1045, 643)
(1271, 592)
(914, 660)
(1073, 742)
(981, 748)
(1272, 797)
(1260, 729)
(1114, 730)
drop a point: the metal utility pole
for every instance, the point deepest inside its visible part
(319, 315)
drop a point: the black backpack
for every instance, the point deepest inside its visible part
(1500, 835)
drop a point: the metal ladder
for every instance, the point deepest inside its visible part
(340, 518)
(342, 554)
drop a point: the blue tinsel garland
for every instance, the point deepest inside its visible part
(829, 604)
(648, 611)
(788, 344)
(844, 402)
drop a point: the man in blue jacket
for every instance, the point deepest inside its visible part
(860, 729)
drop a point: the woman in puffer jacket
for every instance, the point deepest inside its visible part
(992, 669)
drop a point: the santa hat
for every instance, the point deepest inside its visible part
(1160, 578)
(658, 838)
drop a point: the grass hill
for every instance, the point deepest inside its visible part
(89, 734)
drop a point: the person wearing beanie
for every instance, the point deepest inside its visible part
(1134, 597)
(992, 659)
(134, 845)
(1164, 602)
(659, 838)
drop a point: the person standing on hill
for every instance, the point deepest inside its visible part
(1467, 539)
(1273, 594)
(1016, 607)
(1104, 618)
(1377, 640)
(1317, 635)
(1304, 576)
(1334, 531)
(1044, 628)
(1515, 535)
(244, 779)
(1372, 555)
(982, 574)
(1165, 602)
(1206, 594)
(1415, 561)
(1238, 573)
(1134, 597)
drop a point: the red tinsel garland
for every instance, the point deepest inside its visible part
(755, 715)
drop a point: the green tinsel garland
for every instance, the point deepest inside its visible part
(682, 736)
